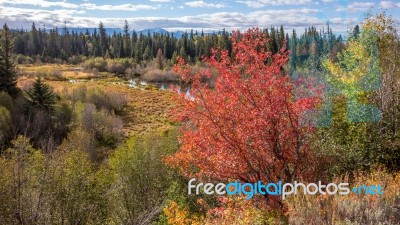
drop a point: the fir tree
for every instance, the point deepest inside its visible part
(40, 96)
(356, 32)
(127, 41)
(8, 76)
(104, 45)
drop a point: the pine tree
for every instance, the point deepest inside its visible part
(281, 37)
(40, 96)
(127, 41)
(147, 54)
(8, 76)
(293, 55)
(356, 32)
(33, 42)
(273, 47)
(103, 39)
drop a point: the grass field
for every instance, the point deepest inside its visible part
(148, 108)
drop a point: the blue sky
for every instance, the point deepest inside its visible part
(198, 14)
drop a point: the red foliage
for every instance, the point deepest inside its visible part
(245, 126)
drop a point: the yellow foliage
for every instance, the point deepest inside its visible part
(177, 215)
(233, 210)
(356, 57)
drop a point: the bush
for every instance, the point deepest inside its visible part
(110, 100)
(74, 194)
(142, 179)
(22, 59)
(21, 184)
(99, 63)
(117, 66)
(50, 74)
(75, 59)
(6, 100)
(232, 210)
(62, 188)
(105, 126)
(5, 125)
(160, 76)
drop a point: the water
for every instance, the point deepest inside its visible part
(132, 83)
(77, 81)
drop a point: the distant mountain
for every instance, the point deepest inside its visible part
(91, 30)
(110, 31)
(159, 30)
(152, 31)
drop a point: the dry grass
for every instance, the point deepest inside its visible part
(61, 70)
(352, 208)
(149, 110)
(77, 75)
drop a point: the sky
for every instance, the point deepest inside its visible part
(209, 15)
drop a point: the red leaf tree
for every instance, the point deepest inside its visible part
(245, 125)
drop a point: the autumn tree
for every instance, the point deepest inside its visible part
(245, 126)
(365, 74)
(387, 97)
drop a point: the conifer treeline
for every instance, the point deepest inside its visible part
(51, 44)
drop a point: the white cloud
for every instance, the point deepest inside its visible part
(202, 4)
(290, 18)
(262, 3)
(389, 4)
(162, 1)
(17, 17)
(123, 7)
(40, 3)
(252, 4)
(357, 7)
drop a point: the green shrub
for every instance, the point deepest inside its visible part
(97, 63)
(110, 100)
(119, 66)
(160, 76)
(142, 179)
(22, 59)
(6, 100)
(50, 74)
(105, 126)
(5, 126)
